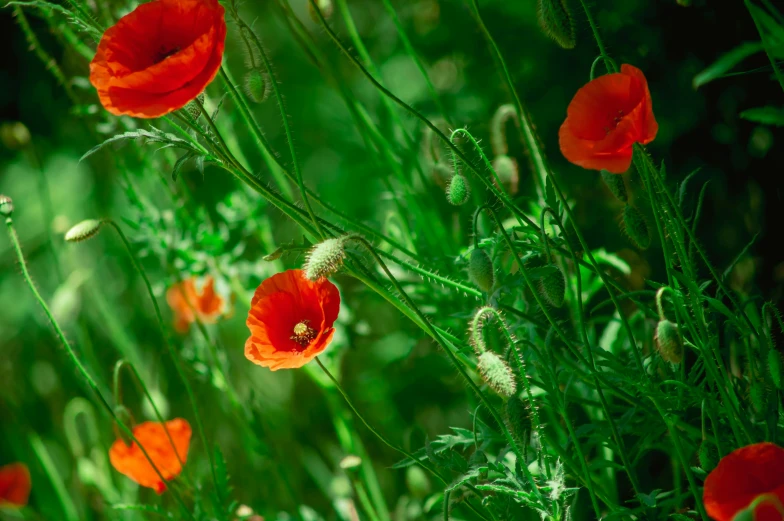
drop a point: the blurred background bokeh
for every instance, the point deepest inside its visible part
(95, 292)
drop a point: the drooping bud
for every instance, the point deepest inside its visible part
(614, 183)
(325, 259)
(518, 419)
(497, 374)
(458, 190)
(193, 106)
(350, 462)
(480, 270)
(774, 367)
(668, 342)
(557, 22)
(552, 287)
(14, 135)
(508, 173)
(6, 206)
(324, 6)
(636, 228)
(707, 456)
(498, 128)
(257, 85)
(83, 231)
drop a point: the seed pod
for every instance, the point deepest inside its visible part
(6, 206)
(557, 22)
(257, 85)
(458, 190)
(193, 106)
(614, 182)
(325, 259)
(325, 6)
(83, 231)
(480, 270)
(668, 342)
(497, 374)
(552, 287)
(774, 366)
(707, 455)
(508, 173)
(518, 419)
(636, 228)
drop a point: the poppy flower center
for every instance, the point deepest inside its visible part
(303, 333)
(164, 53)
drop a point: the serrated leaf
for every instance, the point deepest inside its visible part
(461, 439)
(152, 136)
(766, 115)
(726, 62)
(180, 163)
(85, 24)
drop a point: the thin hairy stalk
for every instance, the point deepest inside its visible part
(676, 441)
(435, 334)
(531, 142)
(172, 353)
(581, 320)
(415, 57)
(555, 325)
(118, 367)
(75, 360)
(608, 62)
(286, 125)
(271, 158)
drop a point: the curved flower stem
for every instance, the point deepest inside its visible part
(175, 358)
(118, 367)
(439, 339)
(608, 62)
(75, 360)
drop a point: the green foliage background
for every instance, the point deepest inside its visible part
(283, 445)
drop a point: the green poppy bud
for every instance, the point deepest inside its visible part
(325, 259)
(552, 287)
(636, 228)
(614, 183)
(480, 270)
(668, 342)
(518, 419)
(556, 21)
(497, 374)
(458, 190)
(83, 231)
(257, 85)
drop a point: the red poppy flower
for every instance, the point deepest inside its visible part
(159, 57)
(605, 118)
(130, 460)
(189, 301)
(14, 485)
(744, 476)
(290, 320)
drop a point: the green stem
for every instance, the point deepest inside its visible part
(169, 347)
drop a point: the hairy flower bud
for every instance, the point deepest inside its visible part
(480, 270)
(257, 85)
(557, 22)
(707, 456)
(458, 190)
(324, 6)
(508, 173)
(668, 342)
(6, 206)
(325, 259)
(636, 228)
(497, 374)
(614, 183)
(83, 231)
(552, 287)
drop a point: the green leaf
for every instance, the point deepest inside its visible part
(461, 439)
(726, 62)
(765, 115)
(151, 136)
(771, 31)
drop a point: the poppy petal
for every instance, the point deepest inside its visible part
(15, 485)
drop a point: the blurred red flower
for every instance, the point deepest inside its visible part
(290, 320)
(755, 472)
(605, 118)
(14, 485)
(159, 57)
(131, 461)
(189, 301)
